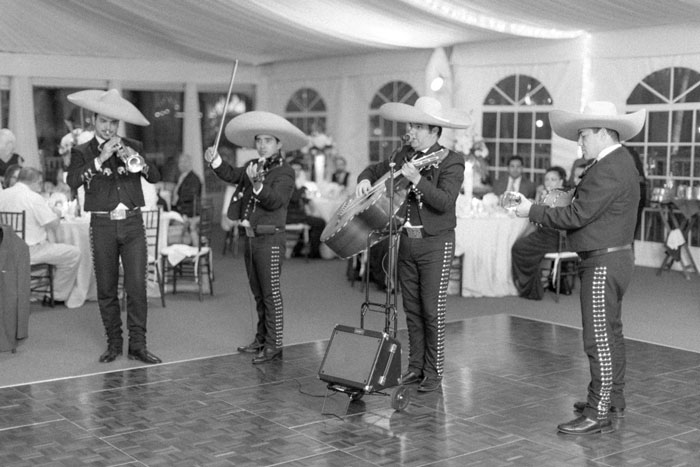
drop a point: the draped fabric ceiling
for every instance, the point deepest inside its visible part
(264, 31)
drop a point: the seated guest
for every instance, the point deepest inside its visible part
(577, 169)
(188, 188)
(297, 213)
(528, 252)
(11, 175)
(481, 182)
(515, 181)
(24, 196)
(340, 174)
(8, 156)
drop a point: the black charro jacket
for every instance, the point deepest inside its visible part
(112, 184)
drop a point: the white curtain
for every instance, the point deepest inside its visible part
(192, 129)
(22, 121)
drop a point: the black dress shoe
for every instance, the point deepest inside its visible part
(586, 426)
(110, 354)
(411, 377)
(253, 347)
(616, 411)
(430, 384)
(267, 355)
(145, 356)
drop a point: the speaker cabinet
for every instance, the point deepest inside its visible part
(361, 359)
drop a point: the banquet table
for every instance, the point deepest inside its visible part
(76, 231)
(485, 241)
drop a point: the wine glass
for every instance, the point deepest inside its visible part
(511, 199)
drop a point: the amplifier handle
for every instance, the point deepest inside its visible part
(392, 352)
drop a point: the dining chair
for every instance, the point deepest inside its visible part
(196, 261)
(558, 260)
(151, 225)
(41, 274)
(295, 233)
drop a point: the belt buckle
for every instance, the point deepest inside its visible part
(249, 231)
(414, 232)
(117, 214)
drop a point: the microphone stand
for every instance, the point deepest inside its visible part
(389, 308)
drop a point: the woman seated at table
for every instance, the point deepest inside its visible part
(528, 252)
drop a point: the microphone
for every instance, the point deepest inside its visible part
(405, 138)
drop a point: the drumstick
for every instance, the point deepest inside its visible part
(228, 98)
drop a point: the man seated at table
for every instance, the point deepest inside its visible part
(515, 181)
(25, 196)
(297, 213)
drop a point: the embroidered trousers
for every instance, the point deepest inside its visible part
(604, 280)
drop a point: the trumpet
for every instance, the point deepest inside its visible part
(133, 161)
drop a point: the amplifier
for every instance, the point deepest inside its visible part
(361, 359)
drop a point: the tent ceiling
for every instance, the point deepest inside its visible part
(266, 31)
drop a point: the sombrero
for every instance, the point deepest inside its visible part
(426, 110)
(110, 104)
(243, 129)
(598, 114)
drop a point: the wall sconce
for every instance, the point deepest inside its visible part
(437, 83)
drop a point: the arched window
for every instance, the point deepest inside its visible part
(515, 121)
(669, 144)
(307, 111)
(385, 135)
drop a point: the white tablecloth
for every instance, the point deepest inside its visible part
(323, 207)
(485, 242)
(77, 232)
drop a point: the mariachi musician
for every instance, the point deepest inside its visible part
(427, 239)
(110, 169)
(263, 189)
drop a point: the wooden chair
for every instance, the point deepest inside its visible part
(558, 259)
(198, 261)
(41, 275)
(232, 238)
(151, 225)
(295, 233)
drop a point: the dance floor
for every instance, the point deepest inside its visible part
(508, 382)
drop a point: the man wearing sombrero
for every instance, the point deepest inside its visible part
(427, 239)
(600, 224)
(264, 188)
(114, 197)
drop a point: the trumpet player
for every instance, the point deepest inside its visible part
(110, 169)
(264, 188)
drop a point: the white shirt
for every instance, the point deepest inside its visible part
(38, 213)
(514, 184)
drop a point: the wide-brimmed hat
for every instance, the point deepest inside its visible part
(243, 129)
(426, 110)
(598, 114)
(110, 104)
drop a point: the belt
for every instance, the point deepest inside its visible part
(116, 214)
(261, 230)
(603, 251)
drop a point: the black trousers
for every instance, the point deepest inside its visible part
(423, 268)
(604, 280)
(110, 241)
(263, 263)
